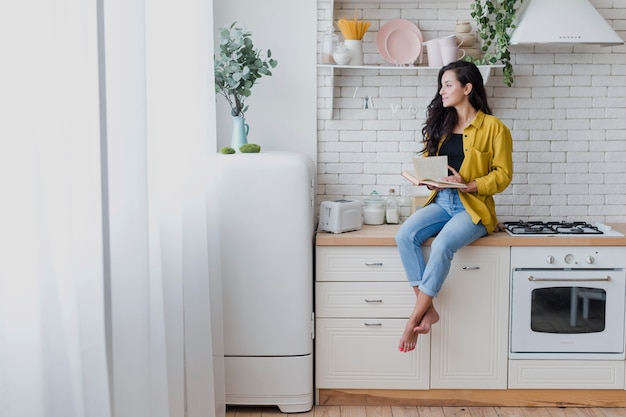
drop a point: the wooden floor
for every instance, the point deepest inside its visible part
(397, 411)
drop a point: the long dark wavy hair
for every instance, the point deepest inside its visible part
(440, 121)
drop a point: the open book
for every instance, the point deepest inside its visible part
(429, 171)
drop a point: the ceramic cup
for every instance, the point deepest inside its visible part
(450, 54)
(433, 50)
(449, 40)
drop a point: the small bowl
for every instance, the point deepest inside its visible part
(466, 39)
(463, 27)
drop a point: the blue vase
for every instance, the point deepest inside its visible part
(240, 132)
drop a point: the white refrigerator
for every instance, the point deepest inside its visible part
(266, 209)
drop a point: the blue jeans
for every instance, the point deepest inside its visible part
(445, 217)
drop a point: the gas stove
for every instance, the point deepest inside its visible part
(562, 228)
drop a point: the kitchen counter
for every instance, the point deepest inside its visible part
(383, 235)
(441, 393)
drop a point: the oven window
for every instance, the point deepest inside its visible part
(568, 310)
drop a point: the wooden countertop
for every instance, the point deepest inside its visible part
(383, 235)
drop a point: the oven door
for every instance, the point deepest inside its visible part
(567, 311)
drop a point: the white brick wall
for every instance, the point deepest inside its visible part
(567, 114)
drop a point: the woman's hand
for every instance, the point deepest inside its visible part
(456, 177)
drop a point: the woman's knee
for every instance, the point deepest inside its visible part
(440, 247)
(407, 236)
(403, 237)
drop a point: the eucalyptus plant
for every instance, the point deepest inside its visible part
(494, 24)
(238, 66)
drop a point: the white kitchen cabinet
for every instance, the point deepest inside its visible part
(363, 301)
(469, 345)
(362, 304)
(362, 353)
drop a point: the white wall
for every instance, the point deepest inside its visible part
(567, 114)
(282, 107)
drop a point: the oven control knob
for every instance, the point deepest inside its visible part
(569, 258)
(550, 259)
(589, 259)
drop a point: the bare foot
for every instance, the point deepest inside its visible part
(430, 317)
(408, 341)
(423, 312)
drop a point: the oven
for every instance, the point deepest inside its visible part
(567, 302)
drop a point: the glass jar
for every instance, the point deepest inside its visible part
(374, 209)
(328, 46)
(392, 212)
(342, 54)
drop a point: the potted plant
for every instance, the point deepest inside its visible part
(237, 68)
(494, 23)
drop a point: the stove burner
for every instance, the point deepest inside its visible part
(529, 228)
(551, 228)
(574, 228)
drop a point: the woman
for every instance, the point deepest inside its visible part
(478, 145)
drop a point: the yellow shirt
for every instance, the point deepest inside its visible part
(488, 160)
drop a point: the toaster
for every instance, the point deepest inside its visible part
(340, 216)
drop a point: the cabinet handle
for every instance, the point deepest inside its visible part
(373, 264)
(372, 324)
(373, 301)
(537, 279)
(471, 268)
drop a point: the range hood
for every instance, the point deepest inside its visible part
(562, 21)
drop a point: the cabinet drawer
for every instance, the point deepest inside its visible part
(364, 299)
(566, 374)
(358, 263)
(353, 353)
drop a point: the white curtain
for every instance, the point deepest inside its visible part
(108, 297)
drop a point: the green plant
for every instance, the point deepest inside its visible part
(238, 66)
(494, 24)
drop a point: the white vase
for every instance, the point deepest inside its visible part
(356, 49)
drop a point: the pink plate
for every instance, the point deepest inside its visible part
(403, 47)
(396, 32)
